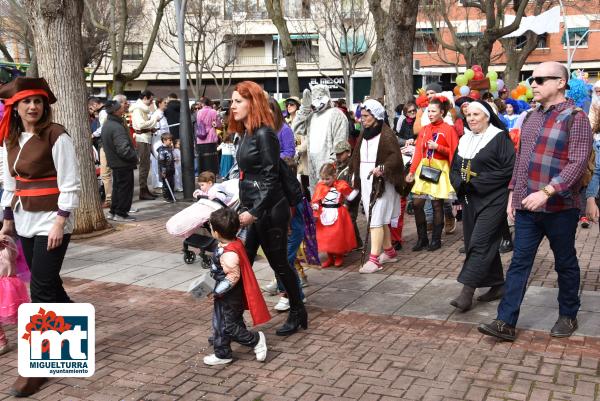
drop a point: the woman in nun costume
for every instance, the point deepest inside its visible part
(481, 170)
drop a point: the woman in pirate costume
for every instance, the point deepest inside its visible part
(481, 170)
(41, 190)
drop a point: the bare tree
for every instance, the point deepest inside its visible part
(395, 29)
(276, 13)
(15, 30)
(478, 50)
(118, 29)
(56, 27)
(347, 30)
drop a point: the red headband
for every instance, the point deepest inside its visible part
(9, 103)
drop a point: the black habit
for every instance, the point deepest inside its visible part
(484, 198)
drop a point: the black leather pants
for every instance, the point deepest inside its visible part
(270, 232)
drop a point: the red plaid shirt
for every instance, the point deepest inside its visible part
(549, 154)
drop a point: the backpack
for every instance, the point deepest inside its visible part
(201, 132)
(289, 183)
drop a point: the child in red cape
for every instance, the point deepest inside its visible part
(335, 232)
(236, 290)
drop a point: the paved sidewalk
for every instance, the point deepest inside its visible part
(150, 345)
(386, 336)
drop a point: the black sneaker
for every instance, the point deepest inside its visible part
(506, 246)
(564, 327)
(397, 246)
(498, 329)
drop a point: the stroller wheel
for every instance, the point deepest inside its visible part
(189, 257)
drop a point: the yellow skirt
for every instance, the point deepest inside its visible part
(442, 189)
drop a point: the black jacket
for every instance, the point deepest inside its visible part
(166, 160)
(117, 144)
(172, 115)
(406, 132)
(260, 177)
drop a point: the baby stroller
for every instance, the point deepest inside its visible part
(192, 224)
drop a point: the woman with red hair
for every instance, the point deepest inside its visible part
(265, 208)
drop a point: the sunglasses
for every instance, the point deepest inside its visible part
(411, 111)
(542, 80)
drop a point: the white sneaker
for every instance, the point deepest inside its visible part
(261, 348)
(283, 304)
(369, 267)
(384, 258)
(271, 288)
(110, 216)
(212, 360)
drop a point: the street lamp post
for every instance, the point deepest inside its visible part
(185, 129)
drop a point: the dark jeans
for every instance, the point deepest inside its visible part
(122, 194)
(46, 284)
(208, 158)
(295, 238)
(170, 178)
(530, 229)
(270, 233)
(228, 323)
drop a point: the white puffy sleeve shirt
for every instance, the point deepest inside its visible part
(30, 224)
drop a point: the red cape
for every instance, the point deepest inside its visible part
(253, 298)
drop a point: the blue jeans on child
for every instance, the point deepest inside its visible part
(294, 241)
(530, 229)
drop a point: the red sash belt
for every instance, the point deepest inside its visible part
(36, 186)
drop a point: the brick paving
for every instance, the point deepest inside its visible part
(150, 234)
(150, 345)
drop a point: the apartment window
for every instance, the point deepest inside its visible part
(306, 48)
(575, 35)
(425, 41)
(542, 42)
(470, 37)
(133, 51)
(245, 9)
(296, 8)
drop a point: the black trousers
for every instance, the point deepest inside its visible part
(208, 158)
(46, 284)
(170, 178)
(228, 323)
(270, 233)
(122, 194)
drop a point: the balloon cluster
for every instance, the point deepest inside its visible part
(475, 73)
(522, 92)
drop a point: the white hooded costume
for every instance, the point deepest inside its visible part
(324, 128)
(595, 107)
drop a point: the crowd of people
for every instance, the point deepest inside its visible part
(303, 171)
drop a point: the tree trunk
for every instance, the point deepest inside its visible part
(32, 71)
(395, 37)
(516, 58)
(377, 78)
(118, 86)
(56, 28)
(276, 15)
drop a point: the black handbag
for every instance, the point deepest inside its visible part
(430, 174)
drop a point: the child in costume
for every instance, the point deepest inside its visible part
(335, 233)
(236, 289)
(177, 155)
(12, 289)
(227, 155)
(166, 166)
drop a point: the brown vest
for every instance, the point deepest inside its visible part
(35, 173)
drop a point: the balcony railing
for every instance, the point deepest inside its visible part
(253, 60)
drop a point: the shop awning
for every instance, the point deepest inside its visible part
(572, 32)
(303, 36)
(353, 44)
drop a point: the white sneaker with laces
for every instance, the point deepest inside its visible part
(212, 360)
(261, 348)
(283, 304)
(384, 258)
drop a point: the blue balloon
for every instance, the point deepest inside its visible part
(465, 90)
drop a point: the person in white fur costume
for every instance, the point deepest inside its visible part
(324, 126)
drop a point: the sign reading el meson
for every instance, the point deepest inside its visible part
(330, 82)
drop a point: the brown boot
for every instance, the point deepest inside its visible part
(26, 386)
(145, 194)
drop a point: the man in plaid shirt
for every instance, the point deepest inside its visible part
(556, 140)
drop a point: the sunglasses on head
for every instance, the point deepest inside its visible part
(542, 80)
